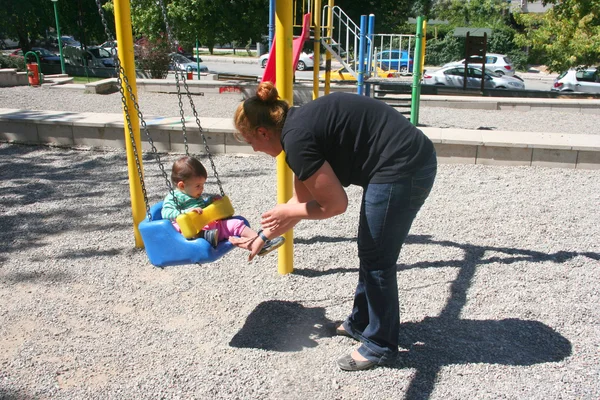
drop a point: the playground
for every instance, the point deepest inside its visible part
(498, 289)
(498, 285)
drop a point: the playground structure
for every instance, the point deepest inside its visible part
(350, 45)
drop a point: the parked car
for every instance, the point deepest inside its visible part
(45, 55)
(578, 80)
(7, 43)
(454, 77)
(108, 46)
(343, 74)
(69, 41)
(499, 63)
(184, 64)
(102, 55)
(398, 60)
(304, 62)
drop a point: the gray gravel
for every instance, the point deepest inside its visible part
(224, 106)
(498, 287)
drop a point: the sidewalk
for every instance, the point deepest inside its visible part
(454, 146)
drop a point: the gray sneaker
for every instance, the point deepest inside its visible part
(271, 245)
(211, 236)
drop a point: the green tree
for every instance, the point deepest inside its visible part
(211, 21)
(31, 20)
(26, 20)
(475, 13)
(566, 36)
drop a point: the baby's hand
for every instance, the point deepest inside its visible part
(197, 210)
(216, 197)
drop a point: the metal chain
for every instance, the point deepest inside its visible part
(121, 77)
(171, 41)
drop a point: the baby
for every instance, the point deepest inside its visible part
(188, 176)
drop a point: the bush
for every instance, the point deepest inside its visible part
(154, 58)
(442, 51)
(12, 62)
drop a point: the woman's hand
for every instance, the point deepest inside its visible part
(275, 218)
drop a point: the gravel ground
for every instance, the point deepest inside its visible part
(499, 286)
(224, 106)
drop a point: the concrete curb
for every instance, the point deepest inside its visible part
(454, 146)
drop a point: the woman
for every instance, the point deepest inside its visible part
(332, 142)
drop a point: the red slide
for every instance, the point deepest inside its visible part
(270, 73)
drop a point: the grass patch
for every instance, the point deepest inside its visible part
(85, 79)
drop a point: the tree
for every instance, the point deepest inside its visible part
(26, 20)
(31, 20)
(211, 21)
(475, 13)
(566, 36)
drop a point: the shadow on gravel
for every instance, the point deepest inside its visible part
(298, 327)
(56, 192)
(7, 394)
(437, 342)
(35, 277)
(324, 239)
(448, 339)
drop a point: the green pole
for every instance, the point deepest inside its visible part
(417, 68)
(198, 57)
(62, 59)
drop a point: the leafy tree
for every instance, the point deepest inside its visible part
(389, 14)
(566, 36)
(26, 20)
(475, 13)
(31, 20)
(211, 21)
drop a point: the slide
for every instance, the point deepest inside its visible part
(298, 42)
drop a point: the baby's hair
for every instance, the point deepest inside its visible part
(186, 168)
(264, 109)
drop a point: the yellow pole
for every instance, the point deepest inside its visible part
(317, 51)
(424, 40)
(125, 50)
(285, 75)
(328, 54)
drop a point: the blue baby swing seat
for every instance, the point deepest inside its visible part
(166, 247)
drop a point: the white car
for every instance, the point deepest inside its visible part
(455, 77)
(184, 64)
(7, 43)
(578, 80)
(305, 61)
(499, 63)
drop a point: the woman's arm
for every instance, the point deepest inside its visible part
(321, 196)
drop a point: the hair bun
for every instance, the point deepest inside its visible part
(267, 92)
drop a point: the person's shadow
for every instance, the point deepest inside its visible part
(282, 326)
(434, 342)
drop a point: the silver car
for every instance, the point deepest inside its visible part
(578, 80)
(305, 61)
(182, 63)
(455, 76)
(499, 63)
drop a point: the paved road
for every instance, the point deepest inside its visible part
(249, 66)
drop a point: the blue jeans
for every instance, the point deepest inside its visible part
(386, 215)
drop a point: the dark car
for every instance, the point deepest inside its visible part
(45, 55)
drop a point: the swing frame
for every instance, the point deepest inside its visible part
(165, 246)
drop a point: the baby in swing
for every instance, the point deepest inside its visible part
(188, 176)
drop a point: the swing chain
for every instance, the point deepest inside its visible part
(204, 141)
(121, 77)
(181, 112)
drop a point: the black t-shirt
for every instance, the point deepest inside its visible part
(363, 139)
